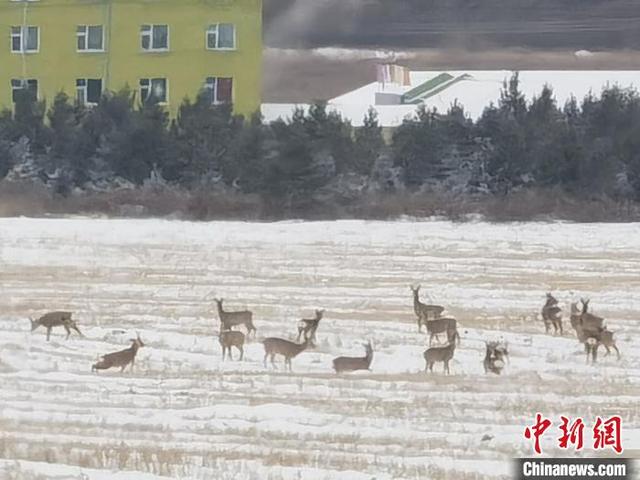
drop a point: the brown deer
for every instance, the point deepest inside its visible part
(232, 319)
(55, 319)
(552, 315)
(591, 345)
(588, 321)
(424, 311)
(496, 355)
(231, 338)
(278, 346)
(443, 325)
(120, 359)
(308, 327)
(593, 340)
(439, 354)
(351, 364)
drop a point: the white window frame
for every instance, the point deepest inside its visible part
(22, 35)
(149, 33)
(216, 27)
(23, 85)
(150, 80)
(214, 89)
(85, 91)
(85, 34)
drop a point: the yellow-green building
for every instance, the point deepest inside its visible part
(168, 49)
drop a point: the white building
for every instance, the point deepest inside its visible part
(474, 90)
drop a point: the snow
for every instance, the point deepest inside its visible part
(475, 93)
(183, 413)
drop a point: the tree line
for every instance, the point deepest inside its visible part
(587, 148)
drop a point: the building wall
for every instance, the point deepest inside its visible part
(186, 65)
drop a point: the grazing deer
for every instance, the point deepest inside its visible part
(495, 356)
(443, 325)
(422, 310)
(552, 315)
(231, 338)
(351, 364)
(55, 319)
(232, 319)
(279, 346)
(120, 359)
(309, 327)
(439, 354)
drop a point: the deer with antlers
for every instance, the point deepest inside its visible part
(55, 319)
(120, 359)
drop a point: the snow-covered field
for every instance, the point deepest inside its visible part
(182, 413)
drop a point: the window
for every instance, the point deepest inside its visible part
(154, 37)
(88, 90)
(19, 85)
(221, 36)
(90, 38)
(219, 89)
(153, 90)
(25, 39)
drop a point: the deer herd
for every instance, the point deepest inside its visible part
(590, 331)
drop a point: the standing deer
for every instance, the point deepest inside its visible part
(231, 338)
(351, 364)
(120, 359)
(552, 315)
(309, 327)
(588, 321)
(591, 345)
(591, 328)
(55, 319)
(443, 325)
(496, 355)
(439, 354)
(232, 319)
(279, 346)
(424, 311)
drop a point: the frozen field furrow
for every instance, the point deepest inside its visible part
(182, 413)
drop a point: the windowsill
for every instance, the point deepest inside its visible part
(222, 49)
(155, 50)
(25, 52)
(91, 51)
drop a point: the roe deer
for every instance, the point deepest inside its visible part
(279, 346)
(232, 319)
(422, 310)
(496, 355)
(439, 354)
(591, 345)
(443, 325)
(309, 327)
(120, 359)
(601, 337)
(351, 364)
(55, 319)
(552, 315)
(588, 321)
(231, 338)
